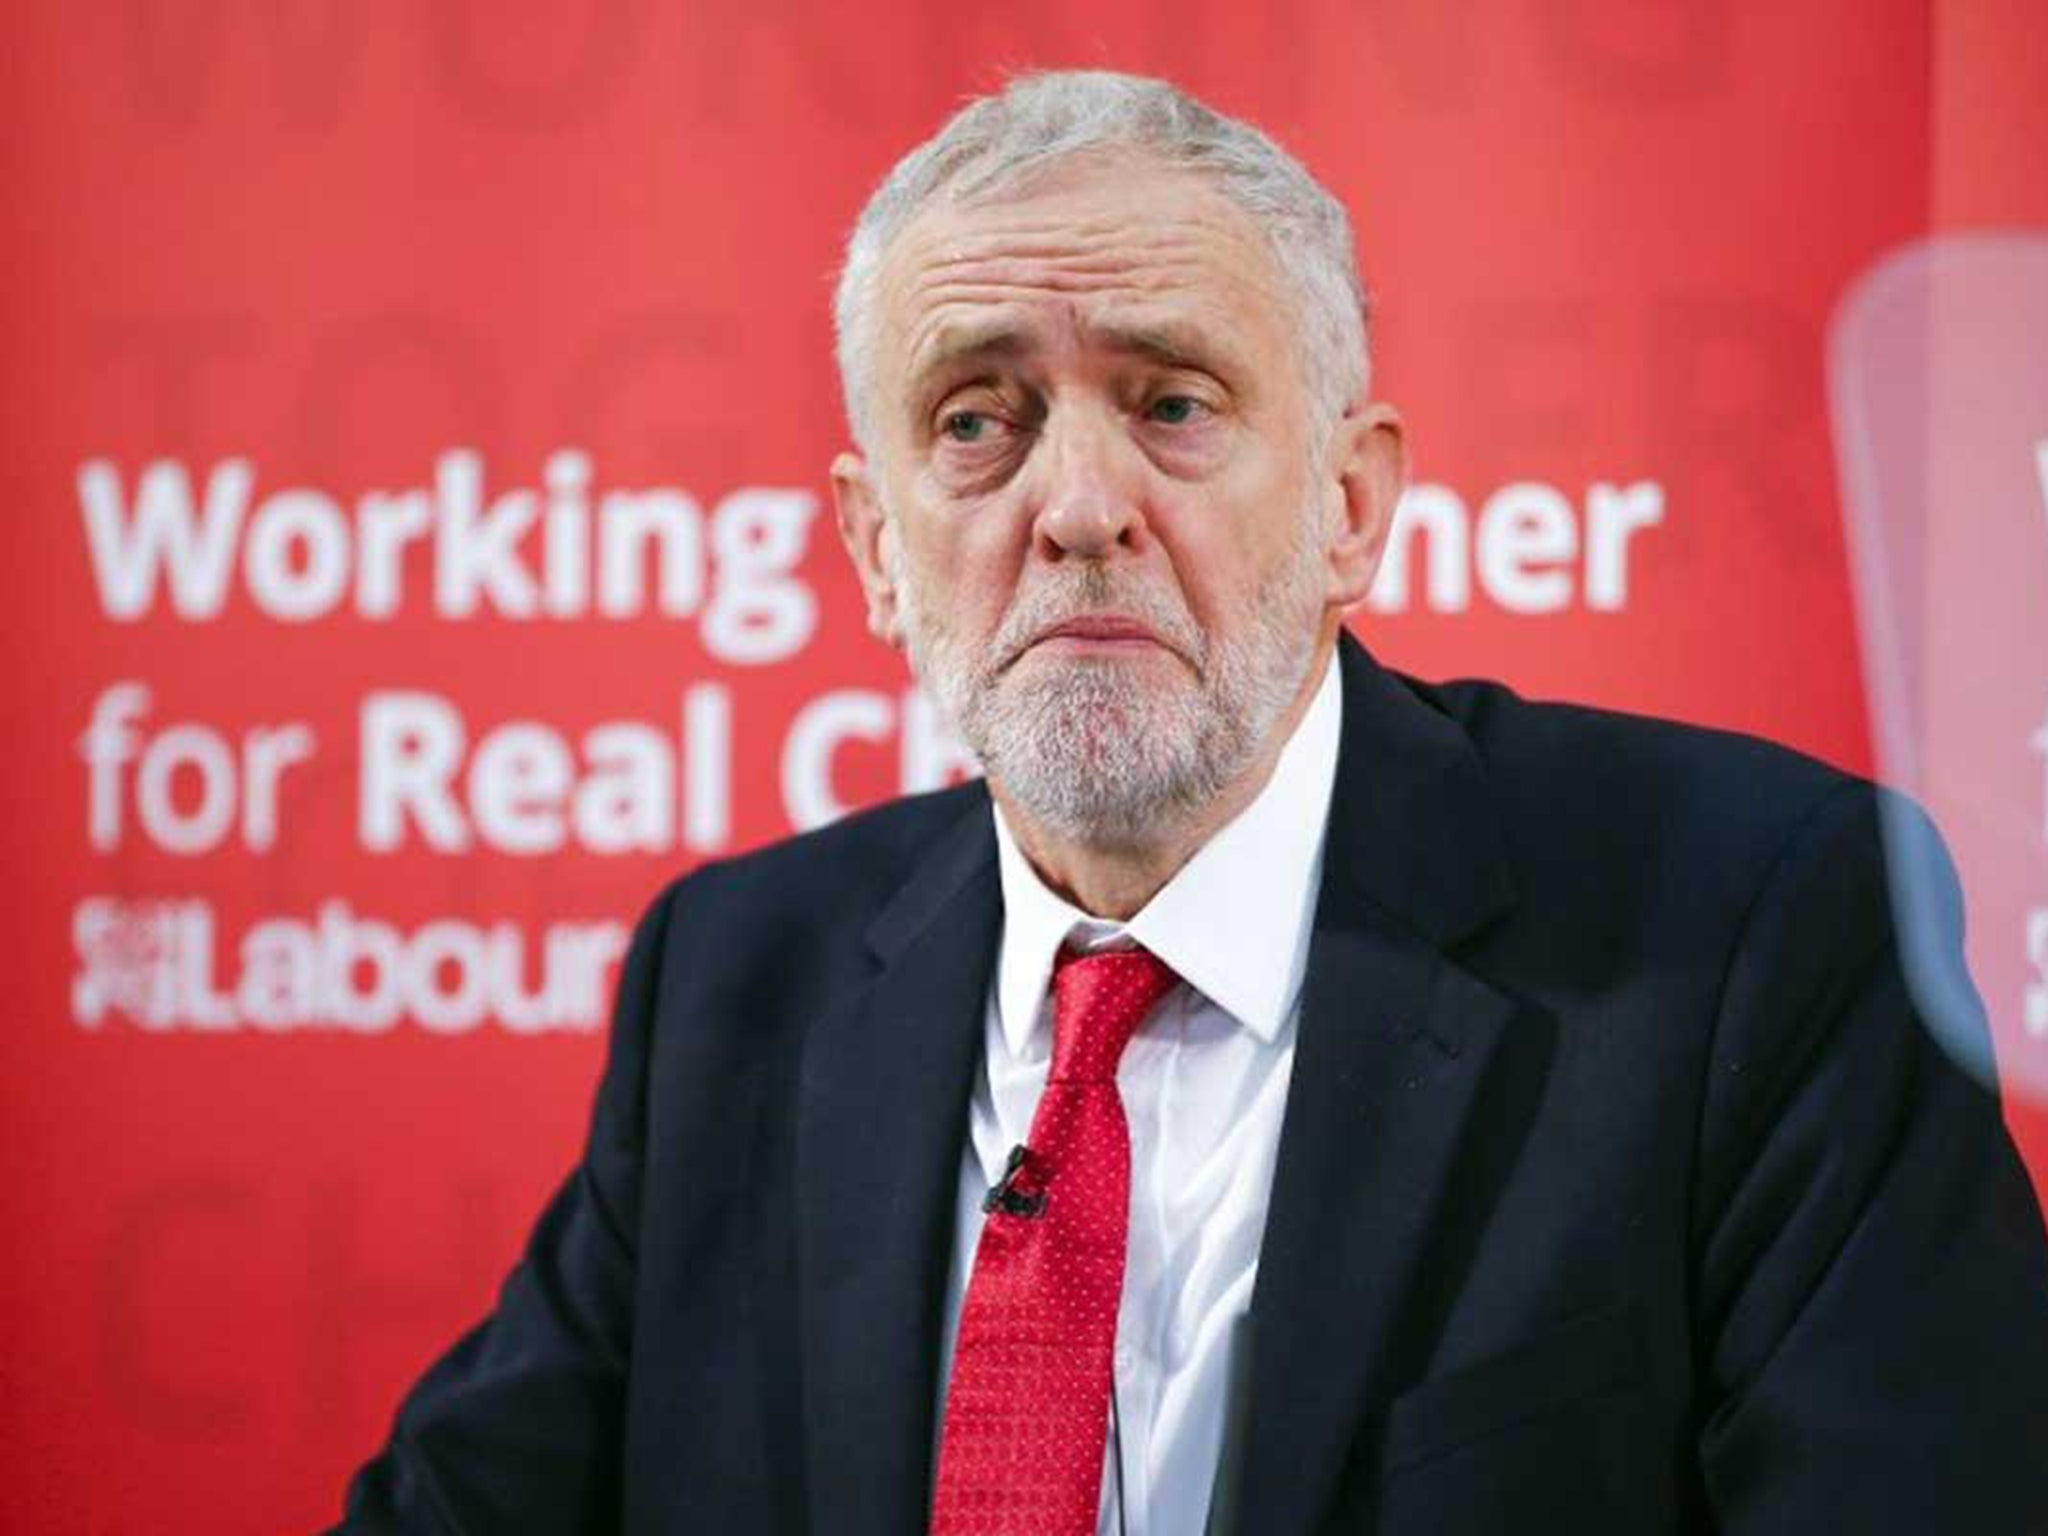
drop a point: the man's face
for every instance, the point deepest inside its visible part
(1098, 520)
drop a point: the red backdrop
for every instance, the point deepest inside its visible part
(349, 716)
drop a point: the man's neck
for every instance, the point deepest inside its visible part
(1115, 880)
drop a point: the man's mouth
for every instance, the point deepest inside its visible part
(1102, 633)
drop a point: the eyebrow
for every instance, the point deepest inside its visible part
(959, 343)
(1168, 343)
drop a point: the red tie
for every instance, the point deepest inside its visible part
(1027, 1412)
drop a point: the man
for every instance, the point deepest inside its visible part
(1286, 1097)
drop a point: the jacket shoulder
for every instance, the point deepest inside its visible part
(1645, 826)
(1574, 765)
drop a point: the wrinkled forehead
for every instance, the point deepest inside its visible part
(1127, 256)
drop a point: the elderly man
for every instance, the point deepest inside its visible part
(1285, 1097)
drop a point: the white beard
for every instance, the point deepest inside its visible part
(1098, 749)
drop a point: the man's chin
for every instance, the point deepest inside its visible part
(1099, 803)
(1091, 757)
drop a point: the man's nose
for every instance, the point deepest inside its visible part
(1089, 503)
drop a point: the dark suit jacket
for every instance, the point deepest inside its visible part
(1619, 1187)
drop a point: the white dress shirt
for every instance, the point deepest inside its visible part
(1203, 1082)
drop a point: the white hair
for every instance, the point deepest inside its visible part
(1037, 120)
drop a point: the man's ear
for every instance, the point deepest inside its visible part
(1369, 464)
(862, 528)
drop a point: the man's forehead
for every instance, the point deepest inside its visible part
(1146, 261)
(1076, 220)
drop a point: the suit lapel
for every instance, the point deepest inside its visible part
(1394, 1044)
(882, 1120)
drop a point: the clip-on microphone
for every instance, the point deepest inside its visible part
(1006, 1196)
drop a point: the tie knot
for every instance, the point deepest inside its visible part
(1098, 1002)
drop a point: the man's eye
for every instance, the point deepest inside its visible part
(1174, 410)
(965, 426)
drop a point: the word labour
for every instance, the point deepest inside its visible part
(156, 964)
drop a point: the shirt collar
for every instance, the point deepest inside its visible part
(1233, 922)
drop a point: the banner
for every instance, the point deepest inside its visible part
(418, 551)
